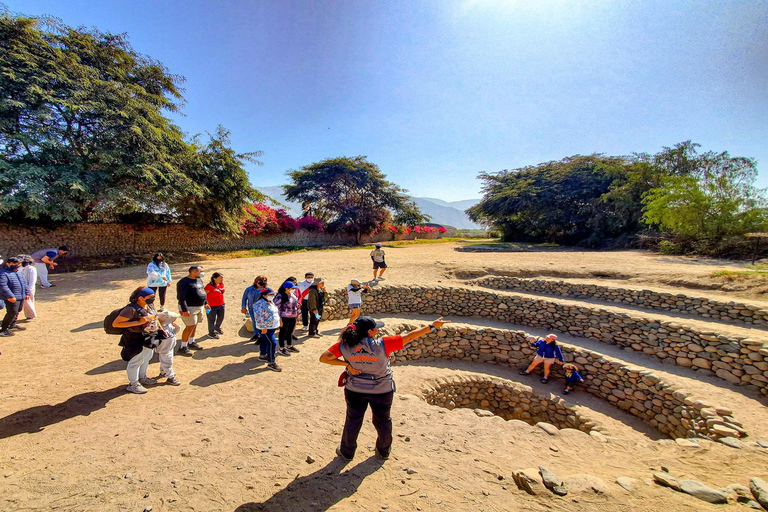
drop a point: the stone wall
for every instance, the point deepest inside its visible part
(678, 303)
(505, 399)
(88, 240)
(735, 359)
(639, 392)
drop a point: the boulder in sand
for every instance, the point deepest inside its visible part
(667, 480)
(702, 492)
(552, 482)
(528, 480)
(759, 488)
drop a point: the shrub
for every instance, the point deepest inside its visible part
(310, 223)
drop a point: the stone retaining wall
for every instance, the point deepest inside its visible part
(505, 399)
(88, 240)
(639, 392)
(735, 359)
(649, 299)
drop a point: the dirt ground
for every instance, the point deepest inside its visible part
(235, 436)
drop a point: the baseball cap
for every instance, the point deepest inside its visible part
(366, 323)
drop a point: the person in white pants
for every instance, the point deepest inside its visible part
(139, 323)
(29, 272)
(168, 345)
(46, 259)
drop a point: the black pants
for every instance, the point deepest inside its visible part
(160, 294)
(215, 318)
(286, 331)
(304, 313)
(357, 404)
(314, 322)
(11, 313)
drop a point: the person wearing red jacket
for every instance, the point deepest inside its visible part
(215, 298)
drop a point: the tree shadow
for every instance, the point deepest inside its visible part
(320, 490)
(226, 373)
(88, 327)
(35, 419)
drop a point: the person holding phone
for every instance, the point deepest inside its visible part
(140, 336)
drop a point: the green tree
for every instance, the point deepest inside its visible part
(84, 135)
(715, 198)
(350, 194)
(557, 201)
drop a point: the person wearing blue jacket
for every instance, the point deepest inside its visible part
(572, 376)
(13, 291)
(547, 352)
(159, 276)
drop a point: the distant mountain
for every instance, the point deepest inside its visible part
(442, 212)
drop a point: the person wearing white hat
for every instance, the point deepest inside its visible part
(355, 292)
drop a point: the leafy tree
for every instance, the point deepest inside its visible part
(557, 201)
(84, 136)
(715, 198)
(350, 194)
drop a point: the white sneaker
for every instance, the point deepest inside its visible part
(147, 381)
(136, 388)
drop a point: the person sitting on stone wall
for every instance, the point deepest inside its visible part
(547, 352)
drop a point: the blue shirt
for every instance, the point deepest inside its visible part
(548, 350)
(573, 376)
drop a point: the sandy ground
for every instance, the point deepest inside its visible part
(235, 436)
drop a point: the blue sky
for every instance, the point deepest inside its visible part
(436, 91)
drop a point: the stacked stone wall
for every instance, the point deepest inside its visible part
(735, 359)
(505, 399)
(639, 392)
(89, 240)
(731, 311)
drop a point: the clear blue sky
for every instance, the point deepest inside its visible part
(436, 91)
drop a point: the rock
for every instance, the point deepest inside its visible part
(732, 442)
(702, 492)
(665, 479)
(528, 480)
(586, 484)
(724, 431)
(310, 459)
(483, 413)
(762, 444)
(128, 476)
(759, 488)
(755, 505)
(148, 508)
(739, 493)
(686, 443)
(597, 436)
(629, 484)
(410, 471)
(548, 428)
(552, 481)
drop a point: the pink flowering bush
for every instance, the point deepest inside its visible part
(310, 223)
(260, 218)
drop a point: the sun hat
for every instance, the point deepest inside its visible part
(318, 280)
(355, 281)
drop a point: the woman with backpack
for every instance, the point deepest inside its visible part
(159, 276)
(138, 320)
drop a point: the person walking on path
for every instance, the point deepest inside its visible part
(288, 306)
(267, 321)
(547, 352)
(309, 278)
(250, 296)
(13, 291)
(190, 292)
(159, 276)
(315, 305)
(355, 292)
(215, 298)
(29, 272)
(377, 256)
(140, 327)
(45, 259)
(367, 379)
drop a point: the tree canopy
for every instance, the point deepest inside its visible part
(84, 134)
(352, 195)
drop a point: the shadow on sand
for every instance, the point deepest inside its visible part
(35, 419)
(318, 491)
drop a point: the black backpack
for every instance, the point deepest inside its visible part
(110, 319)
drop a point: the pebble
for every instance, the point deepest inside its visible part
(310, 459)
(762, 444)
(410, 471)
(148, 508)
(422, 495)
(128, 475)
(665, 479)
(407, 439)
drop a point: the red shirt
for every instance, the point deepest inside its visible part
(215, 295)
(391, 344)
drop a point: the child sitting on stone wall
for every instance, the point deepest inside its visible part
(572, 376)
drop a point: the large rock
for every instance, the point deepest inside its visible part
(548, 428)
(759, 488)
(667, 480)
(552, 482)
(702, 492)
(528, 480)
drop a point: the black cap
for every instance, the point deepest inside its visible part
(366, 323)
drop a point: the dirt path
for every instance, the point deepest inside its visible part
(236, 437)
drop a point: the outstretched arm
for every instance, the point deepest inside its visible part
(424, 330)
